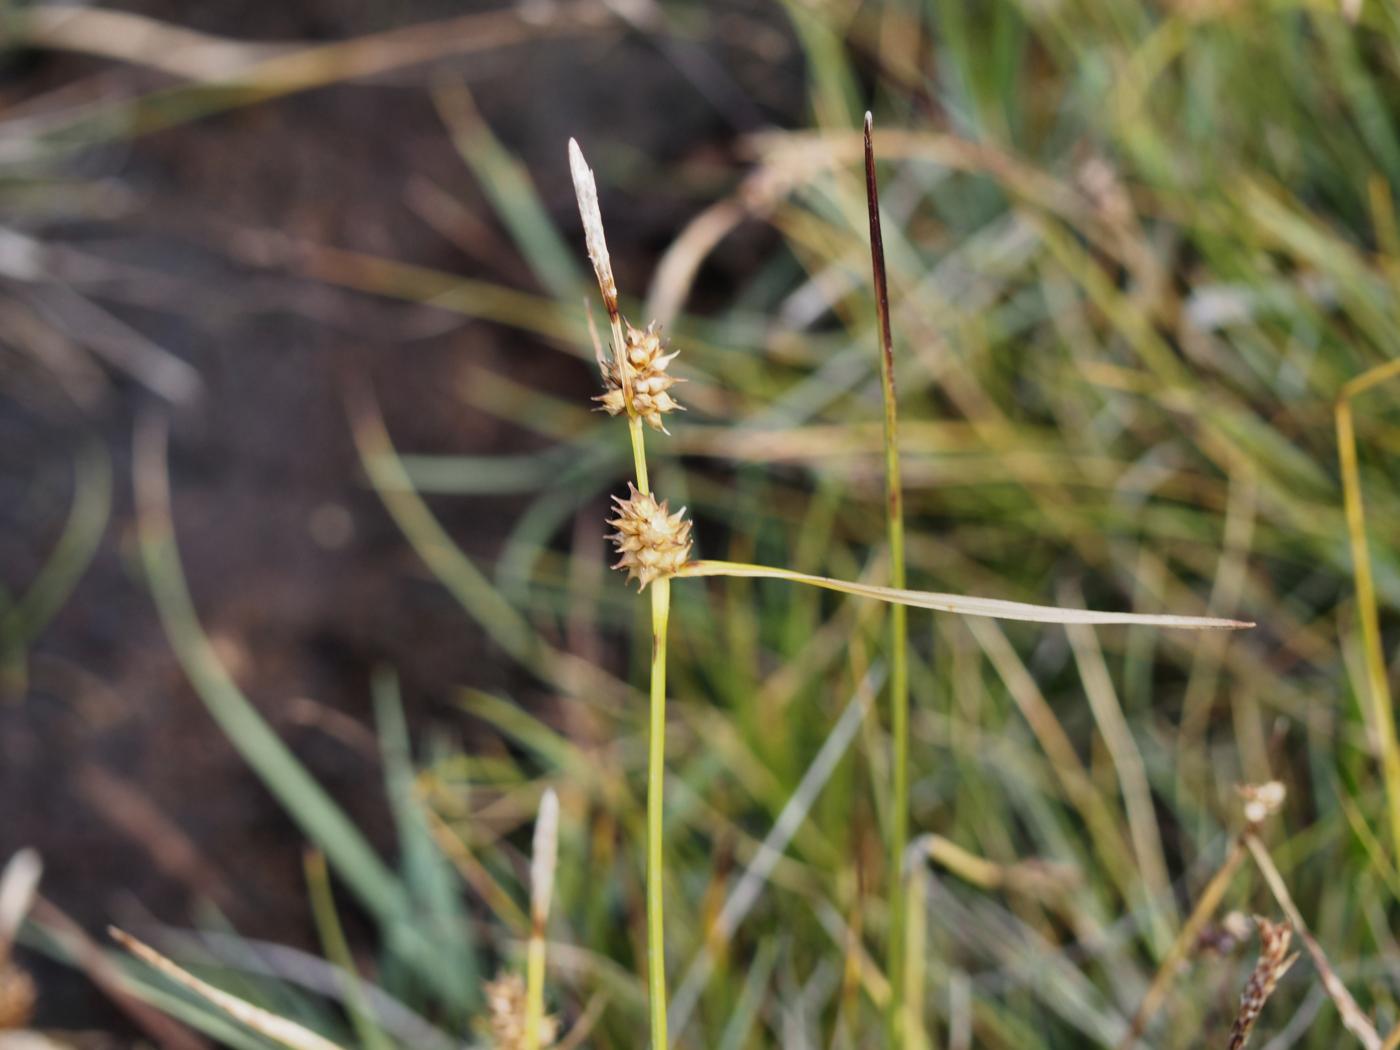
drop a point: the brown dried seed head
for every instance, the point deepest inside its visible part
(505, 999)
(1273, 963)
(651, 541)
(646, 368)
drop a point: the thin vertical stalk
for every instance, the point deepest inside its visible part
(534, 990)
(1382, 715)
(915, 970)
(585, 186)
(337, 949)
(899, 656)
(656, 772)
(639, 451)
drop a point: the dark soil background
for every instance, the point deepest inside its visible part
(109, 765)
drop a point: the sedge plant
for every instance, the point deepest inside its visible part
(654, 547)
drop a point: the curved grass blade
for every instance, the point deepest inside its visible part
(278, 1029)
(963, 605)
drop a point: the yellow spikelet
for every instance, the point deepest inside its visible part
(651, 384)
(651, 541)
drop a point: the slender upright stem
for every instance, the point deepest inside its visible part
(899, 656)
(639, 452)
(534, 990)
(585, 186)
(1377, 675)
(656, 772)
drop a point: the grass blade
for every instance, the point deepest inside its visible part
(963, 605)
(278, 1029)
(305, 801)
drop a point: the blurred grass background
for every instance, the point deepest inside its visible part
(297, 436)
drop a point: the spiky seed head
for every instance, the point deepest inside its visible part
(646, 365)
(505, 1001)
(1274, 962)
(651, 542)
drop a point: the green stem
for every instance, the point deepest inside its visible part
(1382, 714)
(656, 772)
(337, 949)
(639, 452)
(899, 651)
(534, 987)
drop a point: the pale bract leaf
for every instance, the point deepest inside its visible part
(964, 605)
(278, 1029)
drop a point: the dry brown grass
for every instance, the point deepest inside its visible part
(1274, 962)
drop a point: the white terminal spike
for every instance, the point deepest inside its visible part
(544, 856)
(587, 191)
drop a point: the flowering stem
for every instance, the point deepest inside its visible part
(656, 772)
(899, 644)
(586, 188)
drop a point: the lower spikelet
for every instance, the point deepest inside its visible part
(651, 541)
(1274, 961)
(505, 999)
(651, 385)
(17, 997)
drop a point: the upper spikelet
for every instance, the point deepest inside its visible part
(651, 385)
(505, 999)
(653, 543)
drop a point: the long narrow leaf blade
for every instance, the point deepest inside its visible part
(278, 1029)
(964, 605)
